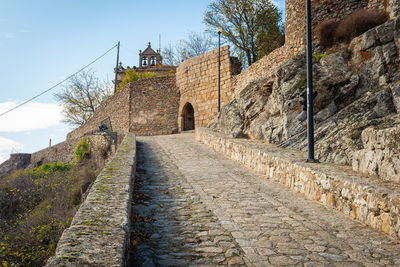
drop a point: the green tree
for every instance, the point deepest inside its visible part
(271, 32)
(82, 94)
(252, 26)
(133, 76)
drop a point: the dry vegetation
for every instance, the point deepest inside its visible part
(36, 205)
(330, 32)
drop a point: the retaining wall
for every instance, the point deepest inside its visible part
(368, 199)
(99, 232)
(100, 149)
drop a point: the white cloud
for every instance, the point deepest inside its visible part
(8, 146)
(31, 116)
(7, 35)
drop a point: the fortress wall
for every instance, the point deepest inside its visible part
(61, 152)
(145, 107)
(261, 69)
(154, 106)
(197, 80)
(116, 107)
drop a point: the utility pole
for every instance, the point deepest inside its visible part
(116, 70)
(310, 100)
(159, 41)
(219, 29)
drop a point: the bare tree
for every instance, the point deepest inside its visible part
(80, 97)
(195, 45)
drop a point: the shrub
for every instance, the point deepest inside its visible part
(330, 32)
(47, 169)
(82, 149)
(132, 76)
(319, 56)
(326, 32)
(357, 23)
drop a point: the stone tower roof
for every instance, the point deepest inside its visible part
(149, 57)
(149, 51)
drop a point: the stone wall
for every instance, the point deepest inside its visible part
(367, 199)
(100, 149)
(145, 107)
(197, 80)
(154, 106)
(99, 232)
(264, 68)
(116, 107)
(17, 161)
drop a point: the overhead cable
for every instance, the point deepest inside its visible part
(54, 86)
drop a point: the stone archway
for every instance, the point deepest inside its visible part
(188, 117)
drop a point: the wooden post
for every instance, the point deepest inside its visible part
(116, 70)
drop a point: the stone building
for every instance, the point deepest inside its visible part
(149, 61)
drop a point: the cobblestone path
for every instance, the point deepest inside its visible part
(194, 207)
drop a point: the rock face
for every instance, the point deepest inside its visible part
(381, 153)
(356, 105)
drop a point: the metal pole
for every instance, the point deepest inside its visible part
(116, 70)
(219, 71)
(310, 108)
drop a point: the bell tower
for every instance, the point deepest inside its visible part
(149, 58)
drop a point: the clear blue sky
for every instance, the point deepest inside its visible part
(44, 41)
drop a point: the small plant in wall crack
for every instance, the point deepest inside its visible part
(82, 149)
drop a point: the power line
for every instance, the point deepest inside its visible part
(129, 50)
(54, 86)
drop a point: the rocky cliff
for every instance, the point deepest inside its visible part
(357, 104)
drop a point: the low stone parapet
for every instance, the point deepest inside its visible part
(365, 198)
(99, 232)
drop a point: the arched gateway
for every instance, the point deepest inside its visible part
(188, 117)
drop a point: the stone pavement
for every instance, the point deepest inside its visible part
(194, 207)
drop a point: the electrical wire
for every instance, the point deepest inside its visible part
(54, 86)
(129, 50)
